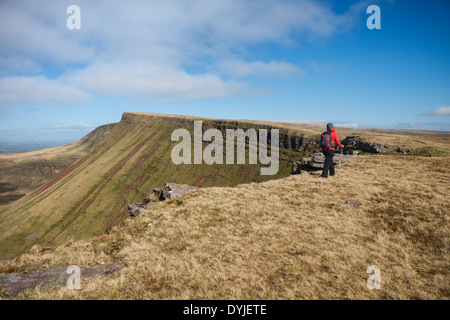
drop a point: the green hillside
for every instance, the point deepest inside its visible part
(23, 172)
(91, 196)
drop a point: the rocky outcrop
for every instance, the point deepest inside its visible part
(297, 143)
(135, 209)
(12, 284)
(355, 142)
(170, 191)
(173, 190)
(316, 162)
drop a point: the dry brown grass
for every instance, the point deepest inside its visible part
(282, 239)
(419, 145)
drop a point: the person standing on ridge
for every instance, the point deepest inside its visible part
(328, 142)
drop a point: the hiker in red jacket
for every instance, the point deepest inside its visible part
(329, 149)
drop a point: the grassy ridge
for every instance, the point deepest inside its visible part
(91, 196)
(280, 239)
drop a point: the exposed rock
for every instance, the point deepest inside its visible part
(404, 151)
(350, 152)
(355, 142)
(352, 144)
(287, 141)
(296, 143)
(316, 161)
(12, 284)
(295, 167)
(173, 190)
(135, 209)
(170, 191)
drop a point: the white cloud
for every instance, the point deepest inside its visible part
(325, 122)
(71, 127)
(18, 64)
(148, 47)
(440, 111)
(309, 121)
(239, 68)
(38, 89)
(152, 80)
(347, 124)
(424, 125)
(35, 30)
(153, 29)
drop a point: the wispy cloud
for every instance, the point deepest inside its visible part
(152, 80)
(440, 111)
(239, 68)
(38, 89)
(308, 121)
(424, 125)
(345, 124)
(147, 48)
(70, 127)
(11, 65)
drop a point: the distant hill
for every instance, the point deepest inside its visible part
(12, 147)
(23, 172)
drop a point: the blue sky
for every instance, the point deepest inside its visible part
(305, 61)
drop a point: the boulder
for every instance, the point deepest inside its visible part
(135, 209)
(350, 152)
(11, 284)
(404, 151)
(316, 161)
(173, 190)
(355, 142)
(170, 191)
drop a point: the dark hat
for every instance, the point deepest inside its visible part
(330, 126)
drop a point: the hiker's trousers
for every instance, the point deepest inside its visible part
(329, 164)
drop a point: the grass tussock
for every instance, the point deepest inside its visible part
(282, 239)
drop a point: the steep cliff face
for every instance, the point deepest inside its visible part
(91, 196)
(288, 140)
(355, 142)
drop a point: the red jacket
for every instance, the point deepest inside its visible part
(335, 139)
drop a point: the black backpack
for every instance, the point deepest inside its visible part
(325, 140)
